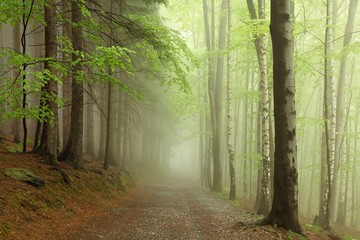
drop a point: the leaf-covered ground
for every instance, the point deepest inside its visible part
(99, 205)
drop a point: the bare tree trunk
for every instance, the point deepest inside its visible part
(340, 152)
(50, 146)
(74, 147)
(209, 37)
(66, 11)
(230, 124)
(109, 153)
(284, 210)
(16, 74)
(329, 117)
(89, 147)
(103, 120)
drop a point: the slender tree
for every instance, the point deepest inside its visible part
(230, 127)
(219, 76)
(340, 151)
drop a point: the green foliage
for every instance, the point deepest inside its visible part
(29, 81)
(165, 50)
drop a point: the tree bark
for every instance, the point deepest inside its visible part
(284, 210)
(230, 123)
(340, 152)
(16, 74)
(74, 147)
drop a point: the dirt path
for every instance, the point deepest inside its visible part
(172, 211)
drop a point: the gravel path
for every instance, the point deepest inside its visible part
(171, 211)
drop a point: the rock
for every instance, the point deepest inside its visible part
(25, 176)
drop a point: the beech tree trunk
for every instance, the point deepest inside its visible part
(284, 210)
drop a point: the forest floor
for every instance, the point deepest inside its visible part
(108, 205)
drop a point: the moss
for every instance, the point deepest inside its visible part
(5, 228)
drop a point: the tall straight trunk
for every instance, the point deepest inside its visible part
(265, 123)
(340, 152)
(245, 135)
(260, 46)
(230, 124)
(109, 158)
(103, 121)
(330, 122)
(25, 25)
(354, 208)
(49, 141)
(202, 137)
(284, 210)
(90, 131)
(16, 74)
(74, 147)
(208, 157)
(66, 110)
(120, 134)
(219, 77)
(209, 37)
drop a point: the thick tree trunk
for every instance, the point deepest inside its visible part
(219, 76)
(51, 51)
(48, 142)
(284, 210)
(74, 147)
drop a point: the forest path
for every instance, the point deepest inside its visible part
(169, 210)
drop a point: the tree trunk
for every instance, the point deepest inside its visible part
(340, 152)
(90, 137)
(74, 147)
(284, 210)
(109, 158)
(230, 124)
(330, 107)
(16, 74)
(48, 142)
(219, 76)
(209, 37)
(66, 110)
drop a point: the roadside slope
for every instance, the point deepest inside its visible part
(28, 212)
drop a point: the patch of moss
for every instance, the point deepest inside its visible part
(5, 228)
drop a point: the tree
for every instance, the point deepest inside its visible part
(218, 98)
(74, 147)
(48, 142)
(340, 152)
(260, 46)
(230, 127)
(284, 209)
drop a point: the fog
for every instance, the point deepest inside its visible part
(155, 97)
